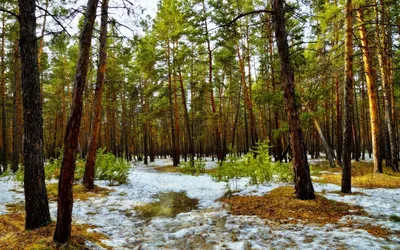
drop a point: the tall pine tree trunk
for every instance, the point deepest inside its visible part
(18, 111)
(3, 101)
(348, 97)
(65, 198)
(88, 177)
(372, 93)
(189, 134)
(303, 185)
(218, 144)
(36, 203)
(174, 150)
(390, 133)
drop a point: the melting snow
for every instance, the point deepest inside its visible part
(212, 226)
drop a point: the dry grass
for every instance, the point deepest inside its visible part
(362, 175)
(371, 180)
(281, 205)
(80, 192)
(15, 207)
(377, 231)
(14, 236)
(168, 169)
(323, 166)
(344, 194)
(172, 169)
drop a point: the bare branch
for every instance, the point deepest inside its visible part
(247, 14)
(113, 21)
(10, 12)
(54, 18)
(55, 33)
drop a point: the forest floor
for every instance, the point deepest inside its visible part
(159, 209)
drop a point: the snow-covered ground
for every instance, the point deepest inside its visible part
(211, 226)
(7, 184)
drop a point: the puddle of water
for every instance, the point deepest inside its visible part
(169, 204)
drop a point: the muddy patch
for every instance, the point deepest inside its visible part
(168, 204)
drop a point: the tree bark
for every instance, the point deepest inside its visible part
(303, 185)
(174, 151)
(18, 122)
(3, 101)
(187, 121)
(383, 59)
(88, 177)
(253, 127)
(348, 98)
(328, 150)
(372, 93)
(218, 145)
(36, 203)
(65, 198)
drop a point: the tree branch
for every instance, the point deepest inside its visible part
(247, 14)
(54, 18)
(10, 12)
(55, 33)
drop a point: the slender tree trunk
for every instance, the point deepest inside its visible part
(176, 116)
(41, 43)
(247, 98)
(236, 119)
(390, 133)
(3, 100)
(18, 111)
(218, 144)
(348, 100)
(329, 153)
(152, 145)
(175, 156)
(65, 197)
(276, 141)
(36, 203)
(246, 130)
(363, 118)
(303, 185)
(253, 127)
(187, 121)
(339, 131)
(356, 129)
(372, 93)
(145, 144)
(88, 177)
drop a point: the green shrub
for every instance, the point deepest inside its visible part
(256, 165)
(19, 175)
(80, 169)
(111, 168)
(395, 218)
(198, 167)
(8, 172)
(53, 166)
(108, 167)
